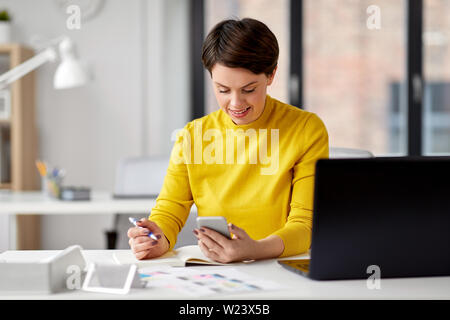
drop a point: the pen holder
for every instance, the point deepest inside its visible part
(51, 186)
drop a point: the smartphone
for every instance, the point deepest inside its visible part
(218, 224)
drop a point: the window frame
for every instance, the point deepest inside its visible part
(414, 66)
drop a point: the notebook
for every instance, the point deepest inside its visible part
(175, 258)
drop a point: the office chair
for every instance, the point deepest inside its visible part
(143, 177)
(338, 153)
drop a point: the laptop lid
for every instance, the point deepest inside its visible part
(393, 213)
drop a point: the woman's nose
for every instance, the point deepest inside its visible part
(236, 101)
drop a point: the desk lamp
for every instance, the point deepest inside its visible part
(69, 73)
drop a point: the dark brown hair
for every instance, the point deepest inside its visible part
(246, 43)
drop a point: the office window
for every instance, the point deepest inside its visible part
(354, 72)
(275, 14)
(436, 102)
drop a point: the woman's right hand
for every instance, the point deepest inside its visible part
(142, 245)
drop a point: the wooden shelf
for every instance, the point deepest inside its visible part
(21, 134)
(5, 122)
(5, 186)
(7, 48)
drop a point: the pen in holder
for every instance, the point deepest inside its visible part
(51, 180)
(51, 186)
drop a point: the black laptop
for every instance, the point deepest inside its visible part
(392, 213)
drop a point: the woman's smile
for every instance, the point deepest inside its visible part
(240, 113)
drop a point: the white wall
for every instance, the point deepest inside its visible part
(138, 53)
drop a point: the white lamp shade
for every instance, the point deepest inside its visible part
(70, 73)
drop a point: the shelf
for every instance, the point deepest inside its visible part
(20, 132)
(5, 122)
(7, 48)
(5, 185)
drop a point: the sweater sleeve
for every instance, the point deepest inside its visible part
(174, 202)
(296, 233)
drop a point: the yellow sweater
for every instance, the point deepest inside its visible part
(260, 176)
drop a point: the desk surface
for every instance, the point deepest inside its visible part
(34, 202)
(295, 286)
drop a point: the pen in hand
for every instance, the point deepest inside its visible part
(134, 221)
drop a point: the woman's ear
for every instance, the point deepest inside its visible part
(272, 76)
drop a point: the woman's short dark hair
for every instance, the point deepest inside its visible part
(246, 43)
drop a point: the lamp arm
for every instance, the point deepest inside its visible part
(27, 66)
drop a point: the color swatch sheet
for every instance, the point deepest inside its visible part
(202, 281)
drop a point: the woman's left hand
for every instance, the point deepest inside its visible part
(221, 249)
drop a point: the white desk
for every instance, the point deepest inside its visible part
(296, 286)
(34, 202)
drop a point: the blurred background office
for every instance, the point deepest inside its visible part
(377, 72)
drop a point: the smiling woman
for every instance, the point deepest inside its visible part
(240, 93)
(268, 199)
(241, 57)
